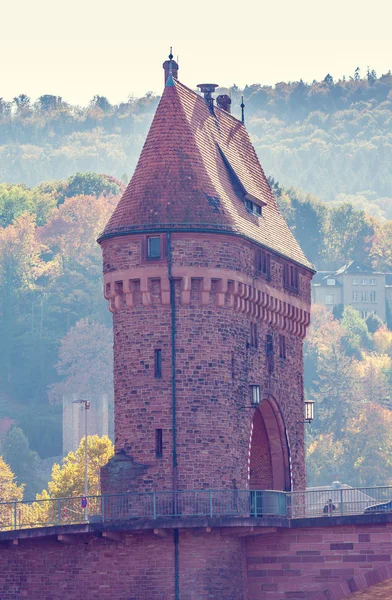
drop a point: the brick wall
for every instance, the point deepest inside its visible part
(318, 563)
(138, 567)
(260, 458)
(215, 364)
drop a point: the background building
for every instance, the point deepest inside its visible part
(353, 284)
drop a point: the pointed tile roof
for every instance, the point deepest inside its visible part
(193, 173)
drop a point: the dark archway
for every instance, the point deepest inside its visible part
(269, 466)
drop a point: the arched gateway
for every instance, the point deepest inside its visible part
(269, 466)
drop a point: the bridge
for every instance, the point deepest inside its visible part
(313, 545)
(195, 504)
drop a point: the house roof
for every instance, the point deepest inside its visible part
(353, 267)
(194, 171)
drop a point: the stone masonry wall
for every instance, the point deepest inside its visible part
(137, 567)
(318, 563)
(215, 361)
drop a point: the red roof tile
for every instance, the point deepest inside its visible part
(193, 171)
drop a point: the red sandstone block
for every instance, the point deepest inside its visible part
(313, 559)
(372, 577)
(269, 587)
(342, 546)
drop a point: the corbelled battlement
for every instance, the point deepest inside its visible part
(222, 287)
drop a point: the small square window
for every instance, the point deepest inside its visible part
(257, 210)
(355, 281)
(249, 205)
(331, 282)
(153, 247)
(364, 281)
(373, 282)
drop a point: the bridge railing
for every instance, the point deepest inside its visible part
(340, 501)
(194, 503)
(149, 505)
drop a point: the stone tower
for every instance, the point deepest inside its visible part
(210, 295)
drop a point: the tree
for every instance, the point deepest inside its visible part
(368, 447)
(336, 391)
(86, 361)
(383, 341)
(102, 102)
(373, 323)
(324, 460)
(23, 273)
(22, 103)
(382, 247)
(374, 370)
(349, 235)
(68, 478)
(48, 102)
(16, 200)
(23, 462)
(9, 489)
(356, 335)
(91, 184)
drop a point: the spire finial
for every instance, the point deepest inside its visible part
(242, 110)
(170, 82)
(171, 69)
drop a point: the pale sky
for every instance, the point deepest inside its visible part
(80, 48)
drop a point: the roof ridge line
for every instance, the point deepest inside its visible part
(216, 107)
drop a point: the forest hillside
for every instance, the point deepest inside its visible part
(330, 138)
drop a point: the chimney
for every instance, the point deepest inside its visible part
(208, 89)
(166, 67)
(223, 101)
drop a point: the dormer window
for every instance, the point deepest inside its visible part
(253, 207)
(331, 281)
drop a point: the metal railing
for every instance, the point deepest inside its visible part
(343, 501)
(195, 503)
(153, 505)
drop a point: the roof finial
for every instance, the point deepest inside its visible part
(170, 81)
(242, 110)
(171, 69)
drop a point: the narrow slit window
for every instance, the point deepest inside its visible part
(263, 262)
(158, 443)
(269, 351)
(282, 346)
(253, 335)
(158, 363)
(291, 277)
(153, 247)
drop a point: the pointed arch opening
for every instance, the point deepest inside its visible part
(269, 466)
